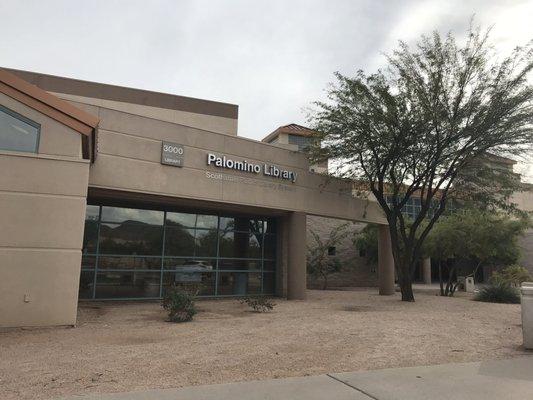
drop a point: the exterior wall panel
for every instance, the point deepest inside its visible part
(42, 208)
(129, 160)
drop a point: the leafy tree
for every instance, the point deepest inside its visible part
(418, 126)
(475, 238)
(319, 263)
(366, 241)
(512, 275)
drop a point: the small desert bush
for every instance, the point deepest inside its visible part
(512, 275)
(498, 292)
(258, 303)
(179, 303)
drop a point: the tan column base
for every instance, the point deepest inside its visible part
(297, 268)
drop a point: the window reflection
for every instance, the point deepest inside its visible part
(130, 252)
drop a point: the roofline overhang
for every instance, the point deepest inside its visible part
(53, 107)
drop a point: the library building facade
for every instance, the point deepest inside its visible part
(114, 193)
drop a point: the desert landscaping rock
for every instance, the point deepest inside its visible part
(128, 346)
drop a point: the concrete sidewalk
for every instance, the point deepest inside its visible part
(502, 380)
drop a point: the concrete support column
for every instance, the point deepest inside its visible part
(426, 270)
(385, 262)
(297, 268)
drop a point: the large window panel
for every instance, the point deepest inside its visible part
(90, 237)
(127, 262)
(182, 220)
(86, 285)
(88, 262)
(127, 284)
(179, 242)
(238, 283)
(207, 221)
(269, 283)
(240, 245)
(202, 281)
(240, 265)
(129, 215)
(243, 224)
(270, 247)
(189, 264)
(129, 252)
(131, 238)
(18, 133)
(206, 243)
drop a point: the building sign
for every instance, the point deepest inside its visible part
(245, 166)
(172, 154)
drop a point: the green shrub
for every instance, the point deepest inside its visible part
(498, 292)
(258, 303)
(179, 303)
(512, 275)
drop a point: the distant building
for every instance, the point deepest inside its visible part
(297, 138)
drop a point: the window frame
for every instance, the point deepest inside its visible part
(26, 120)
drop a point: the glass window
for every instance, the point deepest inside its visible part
(86, 284)
(130, 238)
(126, 262)
(204, 282)
(88, 262)
(207, 221)
(240, 265)
(189, 264)
(179, 242)
(128, 252)
(206, 243)
(121, 215)
(127, 284)
(90, 237)
(238, 283)
(181, 219)
(92, 213)
(269, 283)
(270, 226)
(269, 265)
(302, 142)
(270, 247)
(18, 133)
(242, 224)
(239, 245)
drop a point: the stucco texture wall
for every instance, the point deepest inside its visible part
(355, 270)
(42, 206)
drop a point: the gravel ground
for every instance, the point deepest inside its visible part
(129, 346)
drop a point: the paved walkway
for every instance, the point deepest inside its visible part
(500, 380)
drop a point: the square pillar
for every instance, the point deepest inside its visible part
(297, 256)
(385, 262)
(426, 270)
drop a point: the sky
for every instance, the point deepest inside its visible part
(271, 57)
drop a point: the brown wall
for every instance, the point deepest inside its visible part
(355, 270)
(42, 203)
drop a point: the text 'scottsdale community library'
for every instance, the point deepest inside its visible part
(109, 192)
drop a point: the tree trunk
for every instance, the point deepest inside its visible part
(441, 283)
(406, 287)
(324, 287)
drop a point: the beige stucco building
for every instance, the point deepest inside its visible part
(117, 193)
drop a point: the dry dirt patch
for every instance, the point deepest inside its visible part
(128, 346)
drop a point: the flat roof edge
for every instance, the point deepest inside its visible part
(58, 84)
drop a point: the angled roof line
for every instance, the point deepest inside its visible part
(53, 107)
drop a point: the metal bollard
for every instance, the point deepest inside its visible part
(527, 314)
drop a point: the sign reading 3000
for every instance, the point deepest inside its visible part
(172, 154)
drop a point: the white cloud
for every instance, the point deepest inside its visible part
(272, 57)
